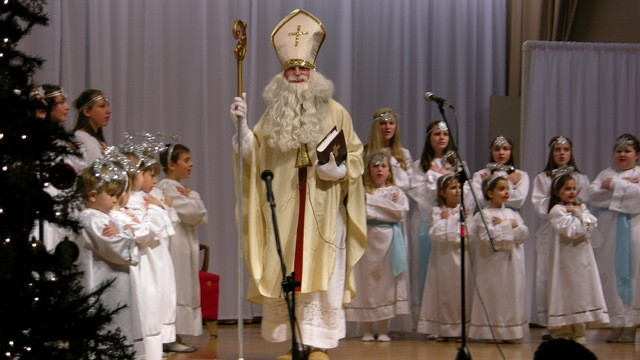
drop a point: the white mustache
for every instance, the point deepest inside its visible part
(297, 78)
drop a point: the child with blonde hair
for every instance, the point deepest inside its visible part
(381, 272)
(107, 249)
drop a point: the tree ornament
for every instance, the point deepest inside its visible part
(62, 176)
(67, 252)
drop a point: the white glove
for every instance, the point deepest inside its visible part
(239, 110)
(330, 171)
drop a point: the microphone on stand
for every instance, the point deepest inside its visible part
(267, 176)
(431, 97)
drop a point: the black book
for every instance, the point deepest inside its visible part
(334, 143)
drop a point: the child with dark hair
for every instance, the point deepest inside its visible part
(502, 163)
(440, 313)
(575, 297)
(185, 246)
(560, 161)
(94, 113)
(616, 193)
(500, 275)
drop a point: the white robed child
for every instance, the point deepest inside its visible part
(441, 309)
(381, 273)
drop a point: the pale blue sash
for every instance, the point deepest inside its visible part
(397, 250)
(424, 252)
(623, 258)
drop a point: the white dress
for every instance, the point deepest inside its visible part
(90, 148)
(105, 258)
(424, 192)
(381, 294)
(185, 253)
(575, 293)
(142, 290)
(500, 278)
(157, 272)
(441, 310)
(517, 192)
(540, 196)
(623, 197)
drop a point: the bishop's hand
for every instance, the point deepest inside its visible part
(331, 171)
(239, 111)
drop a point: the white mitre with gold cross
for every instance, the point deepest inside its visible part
(297, 39)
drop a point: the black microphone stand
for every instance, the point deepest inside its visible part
(289, 283)
(462, 175)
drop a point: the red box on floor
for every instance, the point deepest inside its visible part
(209, 289)
(209, 293)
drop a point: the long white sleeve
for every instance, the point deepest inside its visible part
(381, 207)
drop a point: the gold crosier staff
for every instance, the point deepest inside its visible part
(240, 33)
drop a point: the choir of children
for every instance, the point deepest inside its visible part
(574, 275)
(129, 228)
(144, 238)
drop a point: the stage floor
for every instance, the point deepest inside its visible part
(403, 346)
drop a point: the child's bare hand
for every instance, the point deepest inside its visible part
(445, 214)
(130, 228)
(484, 175)
(514, 223)
(466, 213)
(606, 184)
(110, 230)
(514, 177)
(132, 215)
(394, 197)
(150, 199)
(183, 190)
(167, 199)
(496, 220)
(632, 180)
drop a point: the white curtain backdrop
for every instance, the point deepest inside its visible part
(168, 66)
(588, 92)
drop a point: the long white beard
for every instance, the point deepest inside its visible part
(296, 111)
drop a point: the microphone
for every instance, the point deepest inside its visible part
(431, 97)
(267, 176)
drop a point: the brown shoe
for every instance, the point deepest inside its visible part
(317, 354)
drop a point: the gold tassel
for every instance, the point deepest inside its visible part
(302, 157)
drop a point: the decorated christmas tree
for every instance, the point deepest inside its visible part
(45, 313)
